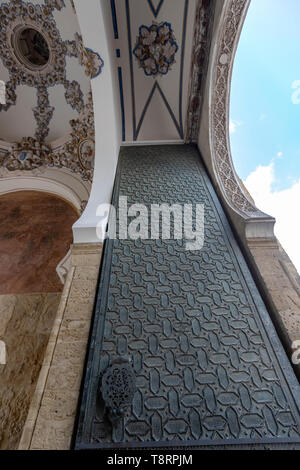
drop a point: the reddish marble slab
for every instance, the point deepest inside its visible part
(35, 234)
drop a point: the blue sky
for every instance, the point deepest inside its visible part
(265, 112)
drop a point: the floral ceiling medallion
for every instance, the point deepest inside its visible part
(155, 48)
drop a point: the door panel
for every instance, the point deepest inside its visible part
(209, 367)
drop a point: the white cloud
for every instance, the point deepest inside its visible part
(233, 126)
(283, 205)
(279, 155)
(296, 94)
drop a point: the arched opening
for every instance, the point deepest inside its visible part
(35, 234)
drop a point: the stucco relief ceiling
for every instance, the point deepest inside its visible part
(75, 154)
(47, 118)
(160, 49)
(155, 41)
(45, 67)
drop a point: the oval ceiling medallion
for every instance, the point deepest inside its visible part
(31, 47)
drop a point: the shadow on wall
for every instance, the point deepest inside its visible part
(35, 234)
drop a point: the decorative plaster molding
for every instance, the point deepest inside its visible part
(43, 113)
(155, 48)
(231, 23)
(76, 154)
(19, 14)
(74, 95)
(90, 60)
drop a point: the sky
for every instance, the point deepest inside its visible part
(265, 114)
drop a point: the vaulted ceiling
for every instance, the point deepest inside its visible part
(161, 54)
(41, 101)
(160, 48)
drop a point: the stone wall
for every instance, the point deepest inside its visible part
(51, 417)
(280, 283)
(25, 324)
(35, 235)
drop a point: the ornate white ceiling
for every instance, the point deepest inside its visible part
(41, 103)
(153, 49)
(160, 49)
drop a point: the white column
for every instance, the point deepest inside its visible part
(95, 21)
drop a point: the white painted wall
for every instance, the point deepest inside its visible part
(95, 21)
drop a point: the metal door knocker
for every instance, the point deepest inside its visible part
(117, 387)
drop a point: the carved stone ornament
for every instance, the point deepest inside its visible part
(117, 387)
(200, 54)
(231, 25)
